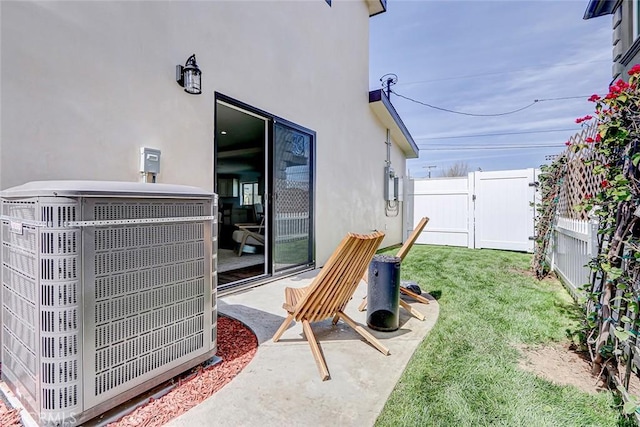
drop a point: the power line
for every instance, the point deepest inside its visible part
(585, 97)
(495, 134)
(456, 156)
(463, 113)
(535, 101)
(500, 147)
(496, 73)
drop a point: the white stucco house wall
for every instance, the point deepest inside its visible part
(85, 85)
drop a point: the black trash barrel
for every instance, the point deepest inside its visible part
(383, 293)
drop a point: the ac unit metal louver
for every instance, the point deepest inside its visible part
(108, 289)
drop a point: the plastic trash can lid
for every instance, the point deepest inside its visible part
(386, 258)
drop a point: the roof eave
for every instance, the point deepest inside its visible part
(389, 117)
(597, 8)
(376, 7)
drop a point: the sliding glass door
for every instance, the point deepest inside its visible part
(292, 207)
(264, 175)
(241, 177)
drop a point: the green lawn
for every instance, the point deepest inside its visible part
(465, 372)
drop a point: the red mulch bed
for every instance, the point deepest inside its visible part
(236, 346)
(9, 417)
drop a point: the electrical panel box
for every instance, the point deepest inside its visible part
(398, 188)
(393, 191)
(389, 184)
(149, 160)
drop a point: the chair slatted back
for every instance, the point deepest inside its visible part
(404, 250)
(332, 289)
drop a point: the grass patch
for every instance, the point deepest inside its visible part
(465, 372)
(293, 252)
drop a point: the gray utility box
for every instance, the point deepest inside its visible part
(108, 289)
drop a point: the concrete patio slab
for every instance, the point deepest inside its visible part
(282, 386)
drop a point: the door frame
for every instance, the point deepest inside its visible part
(271, 119)
(312, 188)
(264, 170)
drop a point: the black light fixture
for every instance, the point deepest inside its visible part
(189, 76)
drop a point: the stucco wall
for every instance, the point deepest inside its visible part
(86, 84)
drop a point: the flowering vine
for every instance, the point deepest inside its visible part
(550, 179)
(613, 296)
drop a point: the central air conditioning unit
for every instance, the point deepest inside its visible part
(108, 289)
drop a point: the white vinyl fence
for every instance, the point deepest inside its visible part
(482, 210)
(574, 243)
(497, 210)
(292, 226)
(448, 204)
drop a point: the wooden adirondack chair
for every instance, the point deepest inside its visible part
(404, 250)
(330, 292)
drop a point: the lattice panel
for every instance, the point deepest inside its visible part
(579, 179)
(292, 182)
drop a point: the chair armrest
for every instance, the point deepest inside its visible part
(249, 227)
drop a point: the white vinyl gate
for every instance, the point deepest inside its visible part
(482, 210)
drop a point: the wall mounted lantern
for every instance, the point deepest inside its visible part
(189, 76)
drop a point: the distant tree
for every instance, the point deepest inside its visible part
(459, 168)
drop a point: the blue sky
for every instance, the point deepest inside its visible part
(490, 57)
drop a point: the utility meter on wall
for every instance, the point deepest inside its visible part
(389, 187)
(149, 164)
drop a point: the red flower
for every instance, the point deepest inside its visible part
(598, 138)
(594, 98)
(568, 143)
(604, 183)
(610, 95)
(622, 84)
(634, 70)
(589, 139)
(583, 119)
(587, 196)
